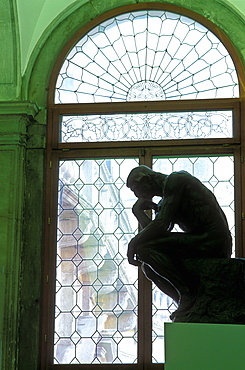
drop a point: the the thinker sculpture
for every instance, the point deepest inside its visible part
(184, 265)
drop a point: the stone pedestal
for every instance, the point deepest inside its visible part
(219, 292)
(204, 346)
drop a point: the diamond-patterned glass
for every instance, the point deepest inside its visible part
(96, 288)
(210, 170)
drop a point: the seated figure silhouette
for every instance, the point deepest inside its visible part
(185, 202)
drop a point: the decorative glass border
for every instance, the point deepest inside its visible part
(146, 126)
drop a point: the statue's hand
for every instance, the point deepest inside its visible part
(132, 255)
(144, 205)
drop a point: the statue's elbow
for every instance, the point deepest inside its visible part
(160, 225)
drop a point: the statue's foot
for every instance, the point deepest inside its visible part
(185, 304)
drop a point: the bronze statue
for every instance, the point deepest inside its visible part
(185, 202)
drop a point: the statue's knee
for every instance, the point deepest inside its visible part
(143, 251)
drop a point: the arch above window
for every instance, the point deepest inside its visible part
(147, 55)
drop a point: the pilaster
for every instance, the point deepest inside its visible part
(17, 138)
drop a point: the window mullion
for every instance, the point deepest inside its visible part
(239, 207)
(145, 321)
(145, 300)
(146, 106)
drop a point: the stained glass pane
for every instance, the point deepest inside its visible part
(148, 126)
(217, 173)
(147, 55)
(96, 288)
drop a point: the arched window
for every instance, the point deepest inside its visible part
(155, 87)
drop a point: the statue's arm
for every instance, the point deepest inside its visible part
(150, 232)
(173, 196)
(139, 210)
(164, 219)
(168, 210)
(149, 228)
(163, 223)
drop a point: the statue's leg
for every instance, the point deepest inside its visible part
(184, 245)
(164, 285)
(164, 265)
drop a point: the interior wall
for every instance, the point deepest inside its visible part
(41, 13)
(32, 36)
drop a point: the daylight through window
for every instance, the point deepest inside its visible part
(146, 87)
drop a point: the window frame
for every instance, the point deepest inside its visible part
(145, 150)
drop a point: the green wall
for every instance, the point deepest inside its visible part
(40, 13)
(26, 64)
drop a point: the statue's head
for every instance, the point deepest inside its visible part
(141, 181)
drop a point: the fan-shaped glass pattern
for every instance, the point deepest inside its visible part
(147, 55)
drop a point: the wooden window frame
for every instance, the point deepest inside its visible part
(145, 150)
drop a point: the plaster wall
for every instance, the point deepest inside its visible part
(36, 16)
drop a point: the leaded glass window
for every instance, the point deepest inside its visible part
(146, 87)
(147, 55)
(97, 293)
(96, 289)
(149, 126)
(209, 170)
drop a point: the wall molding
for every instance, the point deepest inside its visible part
(19, 107)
